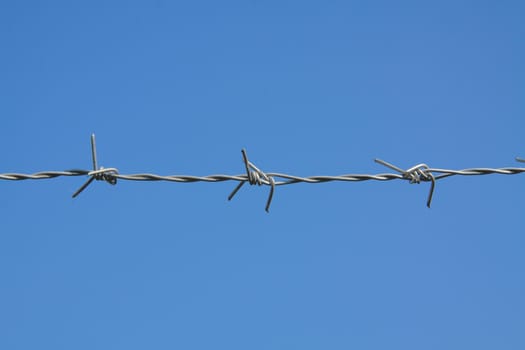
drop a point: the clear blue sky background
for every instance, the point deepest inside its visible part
(309, 88)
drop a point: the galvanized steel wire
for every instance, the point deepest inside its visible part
(254, 176)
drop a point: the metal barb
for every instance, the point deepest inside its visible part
(105, 174)
(416, 174)
(255, 176)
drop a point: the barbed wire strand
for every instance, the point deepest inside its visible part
(254, 176)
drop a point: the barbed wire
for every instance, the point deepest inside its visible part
(254, 176)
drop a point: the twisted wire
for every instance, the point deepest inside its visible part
(287, 179)
(254, 176)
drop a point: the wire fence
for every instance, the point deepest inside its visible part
(254, 176)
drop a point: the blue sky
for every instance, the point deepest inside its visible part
(308, 88)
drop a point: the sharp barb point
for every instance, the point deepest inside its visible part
(431, 192)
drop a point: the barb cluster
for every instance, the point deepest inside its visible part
(254, 176)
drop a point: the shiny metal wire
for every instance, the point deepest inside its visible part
(254, 176)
